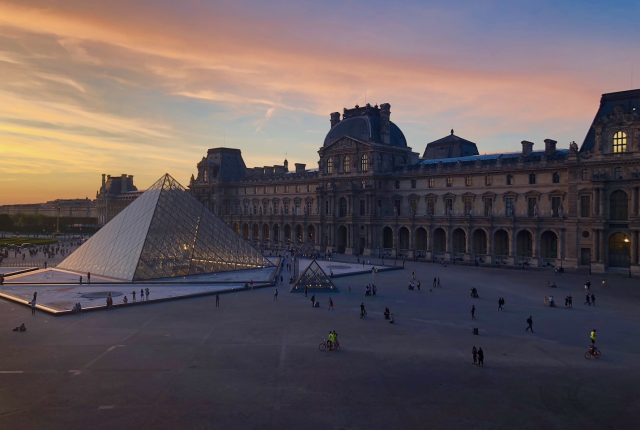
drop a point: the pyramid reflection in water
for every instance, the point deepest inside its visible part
(313, 279)
(164, 233)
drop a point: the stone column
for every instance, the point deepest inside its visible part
(634, 247)
(601, 202)
(594, 203)
(601, 245)
(560, 244)
(635, 201)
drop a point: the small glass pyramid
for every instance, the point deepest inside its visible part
(166, 232)
(306, 250)
(313, 279)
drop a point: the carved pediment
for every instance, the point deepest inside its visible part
(510, 195)
(532, 194)
(431, 196)
(347, 142)
(469, 195)
(449, 196)
(488, 195)
(557, 193)
(413, 197)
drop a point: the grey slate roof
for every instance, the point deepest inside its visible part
(629, 99)
(365, 128)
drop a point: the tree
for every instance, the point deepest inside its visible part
(6, 224)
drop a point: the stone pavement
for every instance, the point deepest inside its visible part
(254, 363)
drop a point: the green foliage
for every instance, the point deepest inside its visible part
(6, 223)
(6, 241)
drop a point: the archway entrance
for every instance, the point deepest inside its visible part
(236, 228)
(265, 232)
(439, 240)
(524, 244)
(479, 242)
(245, 231)
(387, 238)
(459, 241)
(501, 243)
(287, 233)
(549, 245)
(619, 250)
(421, 239)
(311, 233)
(403, 235)
(299, 231)
(342, 239)
(276, 233)
(256, 232)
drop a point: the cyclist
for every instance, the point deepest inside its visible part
(330, 339)
(593, 337)
(335, 339)
(361, 310)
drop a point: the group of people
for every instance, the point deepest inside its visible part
(478, 356)
(332, 340)
(371, 290)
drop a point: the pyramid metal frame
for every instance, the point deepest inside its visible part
(313, 279)
(308, 248)
(164, 233)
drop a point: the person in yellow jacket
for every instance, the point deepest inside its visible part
(330, 339)
(593, 337)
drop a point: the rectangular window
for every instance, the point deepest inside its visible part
(449, 182)
(555, 205)
(510, 206)
(431, 206)
(488, 180)
(245, 191)
(255, 190)
(297, 208)
(413, 183)
(468, 181)
(286, 189)
(396, 203)
(264, 191)
(488, 207)
(431, 182)
(309, 208)
(448, 205)
(308, 188)
(509, 179)
(362, 208)
(380, 206)
(397, 185)
(468, 205)
(237, 208)
(326, 207)
(414, 206)
(584, 175)
(286, 208)
(297, 188)
(585, 206)
(556, 178)
(532, 178)
(532, 205)
(275, 190)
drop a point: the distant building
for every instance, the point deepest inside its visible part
(76, 208)
(115, 194)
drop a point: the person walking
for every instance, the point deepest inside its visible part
(275, 296)
(305, 291)
(313, 301)
(480, 357)
(499, 303)
(133, 293)
(89, 278)
(281, 279)
(330, 304)
(588, 300)
(530, 322)
(33, 306)
(35, 295)
(418, 285)
(217, 300)
(146, 291)
(473, 311)
(434, 282)
(439, 282)
(593, 299)
(474, 352)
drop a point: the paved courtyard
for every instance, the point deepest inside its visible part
(254, 363)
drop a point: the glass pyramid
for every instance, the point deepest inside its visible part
(165, 232)
(308, 249)
(313, 279)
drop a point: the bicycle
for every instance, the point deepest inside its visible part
(363, 314)
(592, 353)
(323, 345)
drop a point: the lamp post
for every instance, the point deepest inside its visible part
(58, 221)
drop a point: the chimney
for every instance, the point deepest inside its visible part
(549, 147)
(335, 118)
(123, 183)
(527, 148)
(286, 166)
(103, 182)
(300, 168)
(385, 124)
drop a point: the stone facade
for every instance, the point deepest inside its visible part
(77, 208)
(372, 195)
(115, 194)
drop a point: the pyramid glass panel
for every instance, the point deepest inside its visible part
(308, 249)
(166, 232)
(313, 279)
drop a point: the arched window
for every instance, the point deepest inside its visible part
(620, 142)
(619, 205)
(346, 164)
(329, 165)
(364, 163)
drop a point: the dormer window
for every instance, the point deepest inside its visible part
(620, 142)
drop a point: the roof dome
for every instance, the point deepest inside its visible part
(363, 123)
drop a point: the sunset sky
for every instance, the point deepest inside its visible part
(146, 87)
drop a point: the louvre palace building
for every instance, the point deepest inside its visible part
(371, 194)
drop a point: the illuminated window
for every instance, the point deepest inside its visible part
(364, 163)
(468, 181)
(509, 179)
(449, 182)
(620, 142)
(329, 165)
(488, 180)
(346, 164)
(431, 182)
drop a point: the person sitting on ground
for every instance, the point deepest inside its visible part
(125, 300)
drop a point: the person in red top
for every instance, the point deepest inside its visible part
(330, 304)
